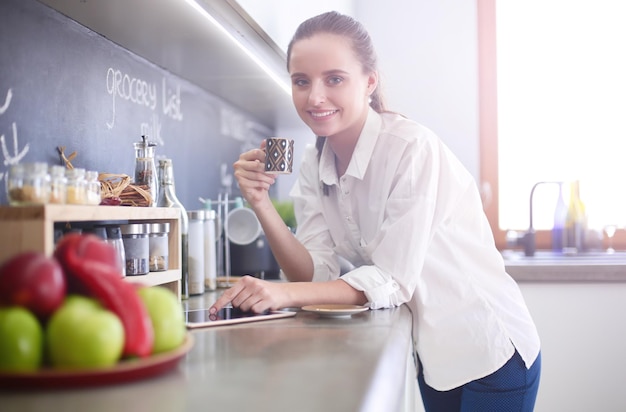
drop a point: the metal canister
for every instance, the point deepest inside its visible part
(136, 248)
(210, 251)
(196, 252)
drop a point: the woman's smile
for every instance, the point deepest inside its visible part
(322, 115)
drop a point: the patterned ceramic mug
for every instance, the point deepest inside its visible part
(278, 155)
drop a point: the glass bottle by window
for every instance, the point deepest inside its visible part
(575, 221)
(560, 216)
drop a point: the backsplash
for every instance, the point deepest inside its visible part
(63, 85)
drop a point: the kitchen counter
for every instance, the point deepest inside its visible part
(304, 363)
(587, 267)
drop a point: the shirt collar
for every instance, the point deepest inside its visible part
(361, 155)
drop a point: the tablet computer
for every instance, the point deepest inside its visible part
(201, 318)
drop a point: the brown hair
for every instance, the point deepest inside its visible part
(339, 24)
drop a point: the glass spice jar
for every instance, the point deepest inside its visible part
(28, 183)
(92, 188)
(114, 238)
(159, 247)
(58, 184)
(136, 248)
(14, 183)
(76, 186)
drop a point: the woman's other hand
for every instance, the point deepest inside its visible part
(254, 183)
(252, 294)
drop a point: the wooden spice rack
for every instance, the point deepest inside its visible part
(25, 228)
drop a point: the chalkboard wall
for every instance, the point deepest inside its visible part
(61, 84)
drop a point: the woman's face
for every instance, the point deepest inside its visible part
(330, 91)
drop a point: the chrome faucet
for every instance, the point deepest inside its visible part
(528, 239)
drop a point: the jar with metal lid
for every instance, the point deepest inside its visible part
(145, 168)
(58, 184)
(28, 183)
(136, 248)
(114, 238)
(76, 186)
(196, 252)
(159, 247)
(92, 188)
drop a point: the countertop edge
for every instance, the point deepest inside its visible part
(387, 383)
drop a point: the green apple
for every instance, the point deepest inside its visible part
(168, 319)
(21, 340)
(83, 334)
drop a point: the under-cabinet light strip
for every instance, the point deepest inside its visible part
(250, 54)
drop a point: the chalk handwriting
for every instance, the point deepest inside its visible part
(237, 127)
(171, 102)
(231, 124)
(123, 86)
(18, 155)
(153, 130)
(7, 102)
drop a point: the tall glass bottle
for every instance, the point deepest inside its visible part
(560, 216)
(167, 198)
(575, 221)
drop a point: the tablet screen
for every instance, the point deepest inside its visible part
(203, 315)
(229, 315)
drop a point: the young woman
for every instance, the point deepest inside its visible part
(384, 194)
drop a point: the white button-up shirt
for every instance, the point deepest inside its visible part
(408, 216)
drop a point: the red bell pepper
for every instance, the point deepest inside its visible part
(91, 269)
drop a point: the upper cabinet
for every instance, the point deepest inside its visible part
(180, 37)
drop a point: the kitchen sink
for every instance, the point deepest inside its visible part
(583, 258)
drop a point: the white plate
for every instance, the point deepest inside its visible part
(335, 310)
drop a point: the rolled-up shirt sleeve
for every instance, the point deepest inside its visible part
(380, 290)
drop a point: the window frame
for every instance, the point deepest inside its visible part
(488, 131)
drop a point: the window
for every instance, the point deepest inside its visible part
(553, 105)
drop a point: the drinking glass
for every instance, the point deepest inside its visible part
(609, 230)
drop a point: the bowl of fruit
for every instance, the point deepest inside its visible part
(71, 320)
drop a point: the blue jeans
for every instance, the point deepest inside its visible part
(512, 388)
